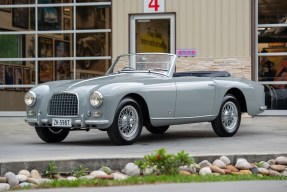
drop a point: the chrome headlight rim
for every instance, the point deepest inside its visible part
(32, 96)
(96, 99)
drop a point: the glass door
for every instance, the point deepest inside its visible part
(152, 33)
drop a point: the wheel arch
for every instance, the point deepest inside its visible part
(238, 94)
(141, 101)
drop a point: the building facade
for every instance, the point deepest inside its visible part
(47, 40)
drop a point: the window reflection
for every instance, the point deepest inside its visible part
(272, 11)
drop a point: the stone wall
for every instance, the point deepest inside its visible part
(238, 67)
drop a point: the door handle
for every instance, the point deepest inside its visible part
(211, 85)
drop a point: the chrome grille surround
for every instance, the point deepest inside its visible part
(63, 104)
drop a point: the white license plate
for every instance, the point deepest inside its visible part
(59, 122)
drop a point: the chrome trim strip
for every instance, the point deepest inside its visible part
(178, 118)
(44, 121)
(97, 122)
(263, 108)
(31, 120)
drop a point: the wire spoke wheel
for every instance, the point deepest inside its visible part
(128, 121)
(229, 116)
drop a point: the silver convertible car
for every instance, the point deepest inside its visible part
(142, 90)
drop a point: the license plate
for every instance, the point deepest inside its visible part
(58, 122)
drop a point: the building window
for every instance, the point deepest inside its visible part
(272, 52)
(48, 40)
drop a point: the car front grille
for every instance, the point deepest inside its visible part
(63, 104)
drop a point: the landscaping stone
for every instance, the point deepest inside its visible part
(232, 168)
(26, 184)
(57, 176)
(216, 169)
(219, 163)
(245, 172)
(226, 171)
(271, 162)
(254, 170)
(88, 177)
(265, 164)
(131, 169)
(98, 174)
(3, 180)
(242, 164)
(35, 174)
(281, 160)
(119, 176)
(44, 180)
(72, 178)
(147, 171)
(25, 172)
(107, 170)
(22, 178)
(12, 180)
(33, 181)
(205, 171)
(4, 187)
(284, 173)
(278, 168)
(236, 173)
(191, 169)
(274, 173)
(263, 171)
(204, 163)
(225, 159)
(184, 173)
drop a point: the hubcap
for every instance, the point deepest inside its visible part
(128, 121)
(229, 116)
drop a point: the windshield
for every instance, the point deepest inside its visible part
(144, 62)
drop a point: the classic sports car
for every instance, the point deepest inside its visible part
(142, 90)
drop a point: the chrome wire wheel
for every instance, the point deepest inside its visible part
(128, 121)
(229, 116)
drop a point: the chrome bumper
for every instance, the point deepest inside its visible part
(262, 108)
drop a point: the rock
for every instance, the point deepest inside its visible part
(274, 173)
(107, 170)
(119, 176)
(265, 164)
(281, 160)
(259, 175)
(219, 163)
(44, 180)
(71, 178)
(33, 181)
(216, 174)
(284, 173)
(205, 171)
(271, 162)
(12, 180)
(22, 178)
(35, 174)
(3, 180)
(184, 172)
(147, 171)
(278, 168)
(197, 167)
(131, 169)
(4, 186)
(57, 176)
(26, 184)
(191, 169)
(87, 177)
(263, 171)
(245, 172)
(226, 171)
(98, 174)
(225, 160)
(216, 169)
(204, 163)
(25, 172)
(236, 173)
(232, 168)
(242, 164)
(254, 170)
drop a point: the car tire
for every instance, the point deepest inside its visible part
(156, 130)
(52, 135)
(127, 124)
(228, 120)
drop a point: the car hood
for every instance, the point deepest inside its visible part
(95, 83)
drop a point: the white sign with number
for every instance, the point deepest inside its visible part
(153, 6)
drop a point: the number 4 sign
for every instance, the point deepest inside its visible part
(153, 6)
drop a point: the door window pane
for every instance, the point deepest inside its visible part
(272, 11)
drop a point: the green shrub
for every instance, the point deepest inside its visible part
(165, 163)
(51, 170)
(80, 171)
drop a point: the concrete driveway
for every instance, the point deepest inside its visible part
(258, 135)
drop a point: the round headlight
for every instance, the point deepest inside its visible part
(96, 99)
(30, 98)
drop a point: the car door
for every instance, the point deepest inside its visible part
(194, 96)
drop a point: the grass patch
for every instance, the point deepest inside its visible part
(156, 179)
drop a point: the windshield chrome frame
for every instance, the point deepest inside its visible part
(169, 74)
